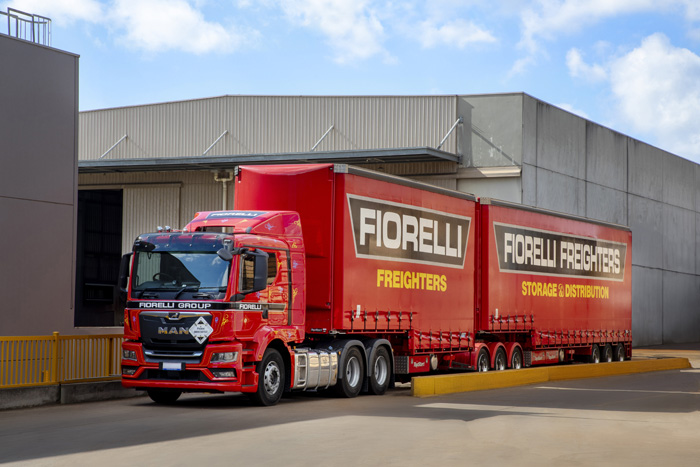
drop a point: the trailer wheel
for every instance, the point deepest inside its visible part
(620, 352)
(499, 363)
(482, 361)
(516, 361)
(353, 372)
(381, 372)
(270, 379)
(595, 354)
(607, 355)
(164, 396)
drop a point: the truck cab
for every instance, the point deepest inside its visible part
(205, 304)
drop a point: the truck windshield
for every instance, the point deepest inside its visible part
(186, 271)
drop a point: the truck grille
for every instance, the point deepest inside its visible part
(159, 355)
(165, 331)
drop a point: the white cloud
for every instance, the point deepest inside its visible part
(148, 25)
(161, 25)
(564, 16)
(580, 69)
(692, 9)
(352, 27)
(521, 65)
(63, 12)
(458, 33)
(658, 92)
(573, 110)
(545, 20)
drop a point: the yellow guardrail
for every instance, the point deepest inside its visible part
(43, 360)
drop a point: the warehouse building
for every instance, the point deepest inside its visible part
(139, 167)
(151, 165)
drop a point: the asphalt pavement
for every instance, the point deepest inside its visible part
(647, 419)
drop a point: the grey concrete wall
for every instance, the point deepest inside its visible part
(507, 189)
(578, 167)
(38, 173)
(496, 130)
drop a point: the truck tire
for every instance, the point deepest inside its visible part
(164, 396)
(270, 379)
(620, 353)
(381, 372)
(516, 360)
(595, 354)
(499, 362)
(353, 374)
(607, 355)
(483, 362)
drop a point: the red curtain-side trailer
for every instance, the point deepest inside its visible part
(553, 287)
(348, 278)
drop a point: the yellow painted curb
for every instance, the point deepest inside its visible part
(423, 386)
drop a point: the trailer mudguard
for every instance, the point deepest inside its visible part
(341, 346)
(371, 348)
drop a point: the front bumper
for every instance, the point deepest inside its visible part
(203, 376)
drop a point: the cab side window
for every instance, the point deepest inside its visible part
(271, 268)
(248, 270)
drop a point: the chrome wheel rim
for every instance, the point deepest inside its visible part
(381, 370)
(500, 362)
(271, 378)
(352, 372)
(620, 354)
(483, 364)
(517, 361)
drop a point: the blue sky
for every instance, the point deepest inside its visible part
(631, 65)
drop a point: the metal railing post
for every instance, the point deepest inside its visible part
(108, 356)
(54, 358)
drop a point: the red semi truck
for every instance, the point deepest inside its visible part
(329, 276)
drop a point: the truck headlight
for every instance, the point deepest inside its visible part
(128, 354)
(224, 357)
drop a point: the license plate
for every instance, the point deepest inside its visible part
(173, 366)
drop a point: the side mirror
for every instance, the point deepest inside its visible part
(124, 272)
(225, 255)
(253, 273)
(260, 280)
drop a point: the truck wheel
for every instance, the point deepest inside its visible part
(482, 361)
(516, 361)
(620, 352)
(163, 396)
(270, 379)
(607, 355)
(595, 354)
(381, 372)
(499, 363)
(353, 373)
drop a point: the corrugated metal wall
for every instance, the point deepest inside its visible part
(267, 125)
(146, 207)
(159, 198)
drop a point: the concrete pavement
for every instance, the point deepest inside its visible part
(84, 392)
(645, 419)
